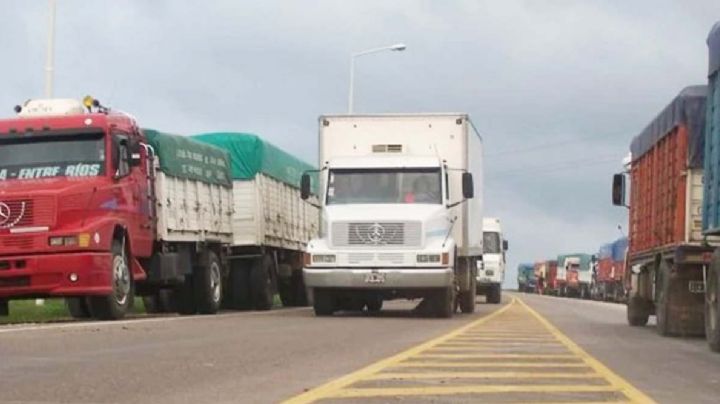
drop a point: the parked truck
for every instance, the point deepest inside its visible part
(526, 278)
(491, 271)
(271, 224)
(550, 278)
(668, 252)
(609, 271)
(711, 196)
(401, 200)
(95, 210)
(578, 274)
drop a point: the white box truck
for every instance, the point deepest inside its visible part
(271, 224)
(491, 271)
(401, 213)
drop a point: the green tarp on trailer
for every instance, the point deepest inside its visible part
(183, 157)
(250, 155)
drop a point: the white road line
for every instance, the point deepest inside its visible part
(6, 329)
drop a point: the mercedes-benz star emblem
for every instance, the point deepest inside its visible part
(4, 213)
(376, 233)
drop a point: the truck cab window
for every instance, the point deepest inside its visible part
(120, 142)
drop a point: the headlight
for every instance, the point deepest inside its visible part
(428, 258)
(323, 258)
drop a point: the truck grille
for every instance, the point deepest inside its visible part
(38, 211)
(372, 234)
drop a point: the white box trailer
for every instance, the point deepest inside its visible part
(401, 217)
(271, 224)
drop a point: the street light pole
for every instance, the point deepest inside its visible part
(49, 61)
(397, 47)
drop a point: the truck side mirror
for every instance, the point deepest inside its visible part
(618, 190)
(505, 245)
(468, 188)
(305, 186)
(134, 158)
(115, 153)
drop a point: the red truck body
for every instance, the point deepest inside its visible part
(605, 270)
(90, 208)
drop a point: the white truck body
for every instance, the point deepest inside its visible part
(268, 212)
(492, 270)
(381, 245)
(192, 211)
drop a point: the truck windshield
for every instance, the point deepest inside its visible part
(47, 156)
(366, 186)
(491, 242)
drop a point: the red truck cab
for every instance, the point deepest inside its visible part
(75, 205)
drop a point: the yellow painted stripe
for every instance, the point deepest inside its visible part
(628, 389)
(495, 358)
(473, 389)
(481, 351)
(438, 364)
(332, 387)
(481, 375)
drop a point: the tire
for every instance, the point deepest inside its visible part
(712, 304)
(151, 304)
(374, 305)
(285, 290)
(494, 294)
(584, 293)
(161, 301)
(662, 302)
(208, 284)
(637, 312)
(239, 290)
(118, 303)
(262, 283)
(323, 303)
(185, 297)
(298, 284)
(78, 307)
(468, 297)
(444, 302)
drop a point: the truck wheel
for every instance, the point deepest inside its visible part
(374, 304)
(323, 303)
(712, 311)
(207, 284)
(262, 283)
(298, 285)
(239, 298)
(637, 312)
(185, 296)
(467, 298)
(494, 294)
(78, 307)
(120, 300)
(285, 290)
(445, 302)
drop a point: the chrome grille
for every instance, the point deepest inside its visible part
(373, 234)
(38, 211)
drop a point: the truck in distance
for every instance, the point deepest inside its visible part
(400, 213)
(491, 271)
(526, 278)
(96, 210)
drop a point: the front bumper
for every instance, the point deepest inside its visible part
(49, 275)
(393, 278)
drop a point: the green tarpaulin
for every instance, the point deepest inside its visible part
(183, 157)
(250, 155)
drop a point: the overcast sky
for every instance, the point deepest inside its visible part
(557, 88)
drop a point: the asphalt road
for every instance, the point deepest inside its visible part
(259, 357)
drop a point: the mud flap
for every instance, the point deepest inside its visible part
(684, 305)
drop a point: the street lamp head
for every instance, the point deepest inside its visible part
(398, 47)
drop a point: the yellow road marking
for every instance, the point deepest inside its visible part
(488, 348)
(481, 375)
(433, 364)
(628, 389)
(334, 386)
(431, 353)
(478, 389)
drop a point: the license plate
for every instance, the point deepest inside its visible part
(696, 286)
(375, 277)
